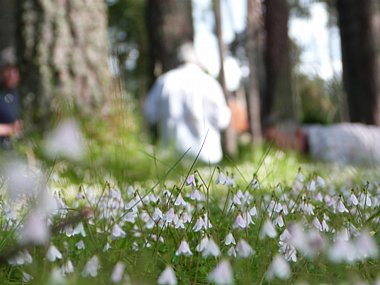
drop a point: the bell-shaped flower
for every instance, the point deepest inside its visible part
(268, 230)
(279, 268)
(232, 251)
(202, 245)
(183, 249)
(341, 208)
(211, 249)
(65, 141)
(167, 277)
(157, 214)
(180, 201)
(79, 229)
(243, 249)
(91, 268)
(67, 267)
(118, 272)
(239, 222)
(196, 195)
(53, 254)
(35, 230)
(353, 201)
(366, 246)
(222, 274)
(229, 239)
(199, 225)
(117, 232)
(191, 181)
(80, 245)
(21, 258)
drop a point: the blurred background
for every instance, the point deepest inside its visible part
(307, 61)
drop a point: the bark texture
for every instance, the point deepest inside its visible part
(170, 24)
(254, 38)
(7, 24)
(63, 50)
(359, 24)
(279, 97)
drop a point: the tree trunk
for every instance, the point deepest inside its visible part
(359, 24)
(7, 24)
(170, 24)
(254, 32)
(230, 136)
(63, 50)
(279, 99)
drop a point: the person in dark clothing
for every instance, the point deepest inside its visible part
(9, 104)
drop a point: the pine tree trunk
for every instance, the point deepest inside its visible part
(359, 26)
(63, 50)
(7, 24)
(279, 97)
(229, 135)
(254, 32)
(170, 24)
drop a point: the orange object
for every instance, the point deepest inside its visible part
(239, 116)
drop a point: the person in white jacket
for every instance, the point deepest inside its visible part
(190, 109)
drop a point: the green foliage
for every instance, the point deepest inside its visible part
(129, 41)
(319, 100)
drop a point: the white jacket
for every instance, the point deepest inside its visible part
(191, 110)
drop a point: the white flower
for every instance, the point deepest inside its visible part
(239, 222)
(253, 211)
(91, 268)
(279, 221)
(35, 230)
(208, 224)
(21, 258)
(169, 216)
(65, 141)
(26, 278)
(268, 230)
(229, 239)
(57, 277)
(341, 208)
(317, 224)
(157, 214)
(191, 180)
(117, 232)
(236, 200)
(366, 246)
(21, 179)
(183, 249)
(255, 184)
(67, 267)
(196, 195)
(222, 179)
(222, 274)
(202, 245)
(167, 277)
(106, 247)
(199, 225)
(343, 249)
(279, 268)
(117, 273)
(243, 249)
(180, 201)
(79, 229)
(80, 245)
(211, 248)
(231, 251)
(53, 254)
(353, 200)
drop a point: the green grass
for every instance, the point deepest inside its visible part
(122, 169)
